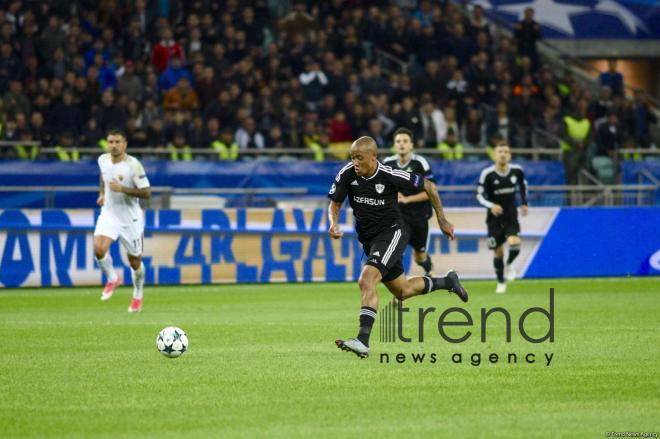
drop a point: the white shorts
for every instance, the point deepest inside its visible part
(129, 234)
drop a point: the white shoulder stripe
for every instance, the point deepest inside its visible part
(396, 172)
(488, 170)
(348, 166)
(425, 163)
(390, 158)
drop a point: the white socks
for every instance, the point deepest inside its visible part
(106, 266)
(138, 281)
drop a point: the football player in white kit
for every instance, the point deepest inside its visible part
(122, 182)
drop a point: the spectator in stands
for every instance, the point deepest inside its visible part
(450, 147)
(14, 101)
(523, 114)
(207, 87)
(528, 33)
(609, 137)
(277, 138)
(644, 118)
(433, 125)
(109, 115)
(172, 74)
(38, 132)
(339, 128)
(248, 137)
(166, 50)
(181, 97)
(66, 117)
(377, 133)
(297, 23)
(91, 133)
(548, 130)
(179, 148)
(129, 84)
(313, 81)
(473, 134)
(575, 143)
(612, 78)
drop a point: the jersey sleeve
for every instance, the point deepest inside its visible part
(139, 176)
(403, 180)
(339, 188)
(483, 190)
(522, 185)
(427, 172)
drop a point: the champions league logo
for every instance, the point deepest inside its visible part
(563, 17)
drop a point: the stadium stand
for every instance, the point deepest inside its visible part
(232, 80)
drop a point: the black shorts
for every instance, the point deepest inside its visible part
(419, 235)
(499, 231)
(385, 252)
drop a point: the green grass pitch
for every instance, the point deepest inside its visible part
(262, 363)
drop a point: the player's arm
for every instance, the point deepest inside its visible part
(101, 199)
(522, 185)
(446, 227)
(482, 196)
(333, 217)
(415, 198)
(132, 191)
(421, 196)
(142, 187)
(337, 194)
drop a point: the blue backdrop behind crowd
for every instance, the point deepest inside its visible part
(314, 177)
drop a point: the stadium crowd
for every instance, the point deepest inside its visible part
(234, 76)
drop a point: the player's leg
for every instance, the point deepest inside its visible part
(131, 238)
(105, 234)
(496, 239)
(513, 239)
(419, 238)
(404, 288)
(369, 278)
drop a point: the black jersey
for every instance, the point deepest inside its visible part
(413, 212)
(500, 188)
(374, 200)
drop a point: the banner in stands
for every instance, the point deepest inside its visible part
(43, 248)
(601, 19)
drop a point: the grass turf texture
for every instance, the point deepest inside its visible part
(262, 362)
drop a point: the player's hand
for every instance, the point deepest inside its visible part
(100, 200)
(402, 198)
(496, 210)
(115, 186)
(335, 231)
(447, 228)
(524, 210)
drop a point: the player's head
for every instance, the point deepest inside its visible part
(502, 154)
(403, 141)
(364, 156)
(116, 142)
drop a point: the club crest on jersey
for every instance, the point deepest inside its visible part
(513, 179)
(380, 188)
(496, 182)
(121, 178)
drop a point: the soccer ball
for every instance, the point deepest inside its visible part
(172, 342)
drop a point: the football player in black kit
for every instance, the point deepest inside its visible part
(415, 206)
(497, 193)
(372, 190)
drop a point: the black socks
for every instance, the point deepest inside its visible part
(367, 318)
(498, 263)
(426, 264)
(514, 251)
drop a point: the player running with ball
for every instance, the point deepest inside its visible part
(372, 190)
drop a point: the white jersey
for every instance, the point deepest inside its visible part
(130, 173)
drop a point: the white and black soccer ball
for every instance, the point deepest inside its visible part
(172, 342)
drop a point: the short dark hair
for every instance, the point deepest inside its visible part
(116, 132)
(405, 131)
(501, 144)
